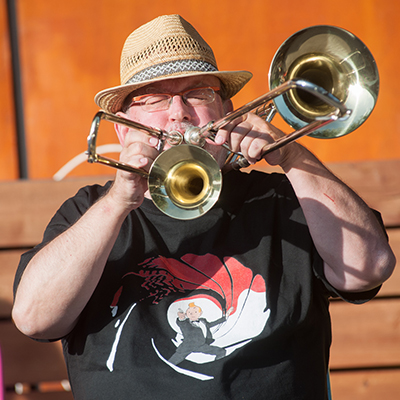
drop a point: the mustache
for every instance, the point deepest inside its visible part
(180, 126)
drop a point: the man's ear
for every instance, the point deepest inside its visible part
(121, 129)
(228, 106)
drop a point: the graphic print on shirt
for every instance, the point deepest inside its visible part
(195, 336)
(222, 307)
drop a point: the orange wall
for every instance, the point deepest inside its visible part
(8, 150)
(71, 51)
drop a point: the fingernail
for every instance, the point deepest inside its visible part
(219, 140)
(153, 141)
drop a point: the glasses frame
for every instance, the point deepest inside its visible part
(138, 100)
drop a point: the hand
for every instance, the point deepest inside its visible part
(251, 136)
(139, 150)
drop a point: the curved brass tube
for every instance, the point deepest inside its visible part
(320, 76)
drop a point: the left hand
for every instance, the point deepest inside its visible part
(251, 135)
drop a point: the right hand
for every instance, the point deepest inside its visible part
(138, 150)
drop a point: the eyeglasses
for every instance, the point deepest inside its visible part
(191, 97)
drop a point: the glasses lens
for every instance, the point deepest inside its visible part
(192, 97)
(200, 96)
(156, 102)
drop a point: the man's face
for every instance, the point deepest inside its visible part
(193, 313)
(179, 115)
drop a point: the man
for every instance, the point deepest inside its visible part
(196, 334)
(113, 272)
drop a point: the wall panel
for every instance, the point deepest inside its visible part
(8, 145)
(70, 52)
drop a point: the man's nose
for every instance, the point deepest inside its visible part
(178, 110)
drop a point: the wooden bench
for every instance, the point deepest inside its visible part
(365, 357)
(365, 354)
(33, 368)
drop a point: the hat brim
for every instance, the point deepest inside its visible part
(112, 99)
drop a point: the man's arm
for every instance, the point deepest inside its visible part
(346, 233)
(60, 279)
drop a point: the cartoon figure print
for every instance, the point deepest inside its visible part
(196, 334)
(221, 309)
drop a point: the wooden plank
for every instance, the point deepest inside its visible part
(54, 390)
(27, 207)
(373, 326)
(365, 335)
(377, 182)
(27, 360)
(392, 286)
(366, 385)
(39, 396)
(10, 259)
(8, 265)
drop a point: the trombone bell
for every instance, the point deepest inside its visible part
(185, 182)
(335, 60)
(324, 71)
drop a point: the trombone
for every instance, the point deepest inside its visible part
(323, 82)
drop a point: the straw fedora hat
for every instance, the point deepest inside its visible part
(165, 48)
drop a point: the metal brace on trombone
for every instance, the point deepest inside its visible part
(196, 136)
(185, 180)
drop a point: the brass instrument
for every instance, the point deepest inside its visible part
(323, 82)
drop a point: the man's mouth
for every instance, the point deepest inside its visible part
(180, 127)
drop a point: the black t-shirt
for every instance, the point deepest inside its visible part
(232, 305)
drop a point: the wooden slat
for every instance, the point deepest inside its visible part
(365, 335)
(392, 286)
(366, 385)
(9, 261)
(377, 182)
(39, 396)
(27, 206)
(8, 265)
(26, 360)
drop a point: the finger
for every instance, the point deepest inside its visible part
(253, 147)
(242, 136)
(223, 135)
(251, 137)
(139, 155)
(137, 136)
